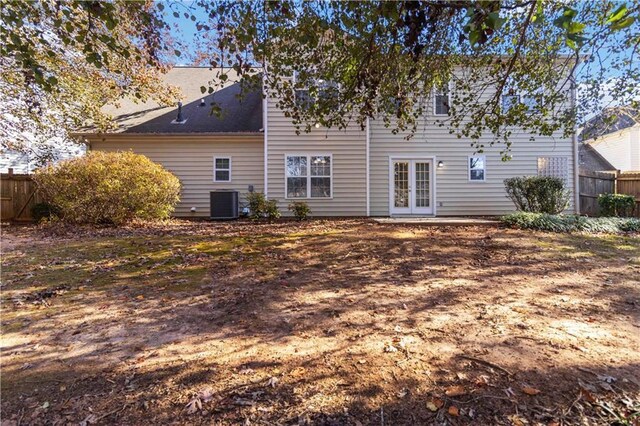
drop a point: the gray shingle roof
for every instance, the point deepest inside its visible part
(238, 115)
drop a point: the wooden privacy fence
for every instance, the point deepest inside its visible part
(592, 184)
(18, 195)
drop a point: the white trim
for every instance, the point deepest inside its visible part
(484, 168)
(433, 94)
(215, 169)
(308, 155)
(265, 129)
(432, 184)
(367, 167)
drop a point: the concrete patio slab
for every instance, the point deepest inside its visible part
(441, 221)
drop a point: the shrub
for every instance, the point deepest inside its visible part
(260, 207)
(44, 211)
(271, 209)
(109, 188)
(300, 209)
(540, 194)
(570, 223)
(619, 205)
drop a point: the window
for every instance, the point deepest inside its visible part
(477, 166)
(222, 169)
(509, 100)
(554, 167)
(308, 176)
(513, 97)
(441, 100)
(325, 91)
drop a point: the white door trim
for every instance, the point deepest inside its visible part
(432, 182)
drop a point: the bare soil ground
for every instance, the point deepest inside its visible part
(323, 322)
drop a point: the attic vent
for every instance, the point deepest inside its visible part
(179, 118)
(202, 102)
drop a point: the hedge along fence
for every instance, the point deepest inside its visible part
(108, 188)
(594, 184)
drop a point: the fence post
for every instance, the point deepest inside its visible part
(10, 172)
(615, 182)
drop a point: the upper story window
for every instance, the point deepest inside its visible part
(441, 99)
(222, 169)
(308, 176)
(477, 168)
(512, 97)
(325, 89)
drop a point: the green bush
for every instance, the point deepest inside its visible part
(539, 194)
(570, 223)
(260, 207)
(44, 211)
(109, 188)
(300, 209)
(619, 205)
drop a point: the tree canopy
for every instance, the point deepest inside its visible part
(509, 66)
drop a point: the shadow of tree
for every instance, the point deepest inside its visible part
(327, 323)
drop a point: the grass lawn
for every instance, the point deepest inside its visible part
(325, 322)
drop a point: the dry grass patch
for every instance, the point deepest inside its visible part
(324, 322)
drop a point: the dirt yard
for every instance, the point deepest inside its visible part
(343, 322)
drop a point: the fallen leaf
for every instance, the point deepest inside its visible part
(453, 410)
(434, 404)
(206, 395)
(530, 391)
(140, 297)
(588, 395)
(388, 347)
(456, 390)
(194, 405)
(517, 420)
(272, 382)
(403, 392)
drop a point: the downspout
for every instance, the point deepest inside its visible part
(576, 159)
(367, 171)
(265, 128)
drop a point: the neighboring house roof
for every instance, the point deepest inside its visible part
(238, 115)
(591, 160)
(611, 120)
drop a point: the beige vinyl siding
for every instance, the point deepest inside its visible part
(348, 150)
(455, 194)
(190, 158)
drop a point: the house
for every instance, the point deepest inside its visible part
(591, 160)
(350, 172)
(615, 136)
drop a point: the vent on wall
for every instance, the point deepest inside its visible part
(224, 204)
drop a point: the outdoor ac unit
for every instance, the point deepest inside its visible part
(224, 204)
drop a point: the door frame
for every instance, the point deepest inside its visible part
(405, 157)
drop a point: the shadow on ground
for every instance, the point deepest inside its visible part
(330, 322)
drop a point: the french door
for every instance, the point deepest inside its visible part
(411, 186)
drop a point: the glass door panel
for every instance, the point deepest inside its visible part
(401, 185)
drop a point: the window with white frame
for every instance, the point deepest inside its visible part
(441, 99)
(512, 95)
(477, 168)
(554, 167)
(222, 169)
(325, 89)
(308, 176)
